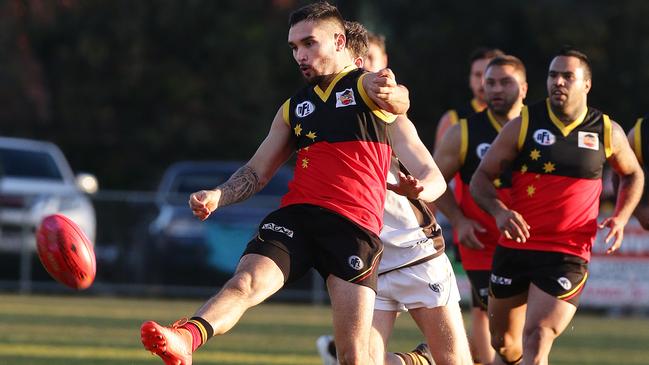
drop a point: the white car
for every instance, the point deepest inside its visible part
(36, 181)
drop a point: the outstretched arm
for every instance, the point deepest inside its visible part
(384, 91)
(625, 164)
(500, 155)
(252, 176)
(426, 182)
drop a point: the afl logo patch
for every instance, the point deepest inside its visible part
(544, 137)
(355, 262)
(482, 149)
(304, 108)
(565, 283)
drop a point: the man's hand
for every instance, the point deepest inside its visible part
(616, 226)
(383, 89)
(204, 202)
(407, 186)
(512, 225)
(466, 229)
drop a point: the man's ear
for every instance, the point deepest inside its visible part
(340, 41)
(588, 84)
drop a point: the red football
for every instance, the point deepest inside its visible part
(65, 252)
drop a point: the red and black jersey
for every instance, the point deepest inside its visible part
(478, 132)
(343, 152)
(557, 179)
(463, 111)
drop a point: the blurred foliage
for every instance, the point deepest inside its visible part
(127, 87)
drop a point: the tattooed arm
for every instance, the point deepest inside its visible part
(250, 178)
(499, 156)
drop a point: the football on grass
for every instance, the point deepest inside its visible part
(65, 252)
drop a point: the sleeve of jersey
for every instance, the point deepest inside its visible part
(608, 136)
(381, 114)
(285, 112)
(464, 140)
(525, 122)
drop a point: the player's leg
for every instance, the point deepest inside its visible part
(382, 326)
(352, 307)
(553, 299)
(480, 337)
(256, 278)
(506, 321)
(445, 334)
(547, 317)
(509, 284)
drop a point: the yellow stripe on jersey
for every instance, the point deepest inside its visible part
(453, 117)
(576, 288)
(525, 122)
(285, 112)
(608, 136)
(464, 140)
(324, 95)
(493, 121)
(381, 114)
(565, 129)
(637, 140)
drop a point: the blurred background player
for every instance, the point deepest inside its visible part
(461, 151)
(478, 60)
(556, 150)
(414, 273)
(637, 139)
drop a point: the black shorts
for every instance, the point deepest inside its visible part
(300, 237)
(479, 280)
(558, 274)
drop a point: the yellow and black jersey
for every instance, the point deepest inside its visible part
(343, 152)
(464, 111)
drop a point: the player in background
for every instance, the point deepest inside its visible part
(460, 152)
(556, 151)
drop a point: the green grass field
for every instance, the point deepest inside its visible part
(58, 330)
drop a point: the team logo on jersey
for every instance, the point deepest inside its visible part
(355, 262)
(588, 140)
(500, 280)
(304, 108)
(482, 149)
(345, 98)
(436, 287)
(564, 282)
(544, 137)
(276, 228)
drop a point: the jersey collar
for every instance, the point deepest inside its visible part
(324, 95)
(565, 129)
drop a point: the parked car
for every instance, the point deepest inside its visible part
(184, 250)
(35, 181)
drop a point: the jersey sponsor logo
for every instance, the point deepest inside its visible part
(544, 137)
(345, 98)
(436, 287)
(304, 108)
(276, 228)
(500, 280)
(482, 149)
(355, 262)
(588, 140)
(564, 282)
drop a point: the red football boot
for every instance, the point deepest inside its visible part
(172, 344)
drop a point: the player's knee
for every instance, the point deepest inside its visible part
(509, 350)
(534, 336)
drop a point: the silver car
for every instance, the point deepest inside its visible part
(35, 181)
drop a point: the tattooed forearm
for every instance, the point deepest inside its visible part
(243, 184)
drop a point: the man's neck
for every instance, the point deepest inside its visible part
(514, 112)
(328, 79)
(569, 113)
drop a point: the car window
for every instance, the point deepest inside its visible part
(28, 164)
